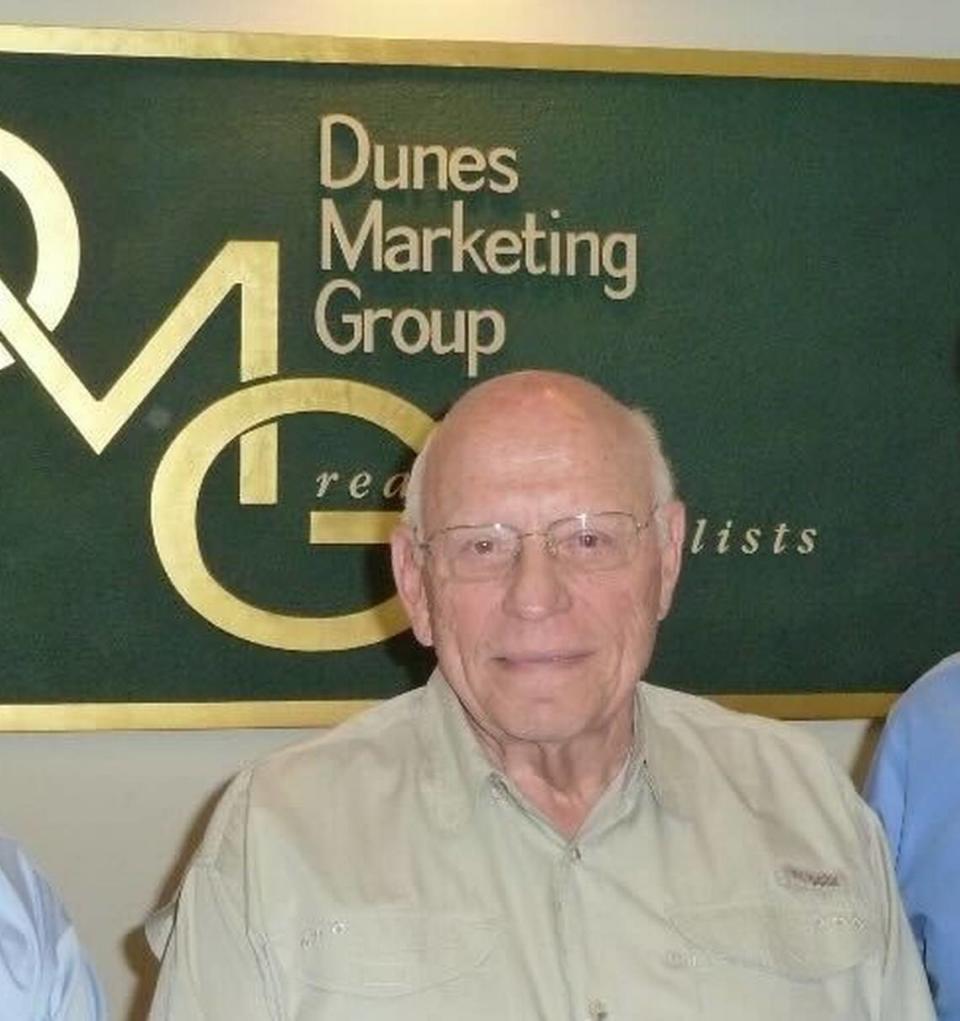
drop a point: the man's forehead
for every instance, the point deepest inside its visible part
(520, 391)
(524, 410)
(516, 435)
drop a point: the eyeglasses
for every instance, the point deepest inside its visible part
(584, 542)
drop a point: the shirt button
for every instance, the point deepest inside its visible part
(573, 853)
(498, 789)
(597, 1010)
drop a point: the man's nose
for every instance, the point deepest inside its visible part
(536, 586)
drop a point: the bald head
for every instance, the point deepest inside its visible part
(531, 407)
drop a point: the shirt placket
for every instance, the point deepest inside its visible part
(585, 1002)
(567, 876)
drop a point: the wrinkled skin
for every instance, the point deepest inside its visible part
(544, 660)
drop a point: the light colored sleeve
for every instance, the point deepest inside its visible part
(44, 972)
(212, 965)
(75, 992)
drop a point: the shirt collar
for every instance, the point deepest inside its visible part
(454, 767)
(669, 773)
(455, 770)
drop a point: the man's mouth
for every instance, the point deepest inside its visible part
(557, 658)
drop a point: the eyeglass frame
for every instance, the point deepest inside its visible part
(550, 544)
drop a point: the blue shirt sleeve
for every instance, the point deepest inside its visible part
(885, 788)
(44, 973)
(914, 786)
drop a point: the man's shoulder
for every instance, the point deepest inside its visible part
(387, 729)
(771, 782)
(934, 694)
(334, 768)
(922, 728)
(703, 716)
(708, 745)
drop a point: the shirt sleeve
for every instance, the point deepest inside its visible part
(913, 787)
(213, 966)
(44, 972)
(886, 786)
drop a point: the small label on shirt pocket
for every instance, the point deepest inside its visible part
(377, 953)
(779, 961)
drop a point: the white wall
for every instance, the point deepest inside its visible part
(920, 27)
(110, 815)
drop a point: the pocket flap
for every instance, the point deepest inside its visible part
(805, 943)
(390, 953)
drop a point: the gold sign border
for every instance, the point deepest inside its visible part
(109, 42)
(296, 714)
(436, 53)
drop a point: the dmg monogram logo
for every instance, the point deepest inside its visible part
(248, 416)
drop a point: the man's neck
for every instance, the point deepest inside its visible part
(564, 780)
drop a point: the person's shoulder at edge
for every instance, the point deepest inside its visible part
(929, 707)
(42, 965)
(935, 692)
(918, 742)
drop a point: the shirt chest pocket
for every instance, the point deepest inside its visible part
(777, 962)
(375, 964)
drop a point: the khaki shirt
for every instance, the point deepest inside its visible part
(385, 872)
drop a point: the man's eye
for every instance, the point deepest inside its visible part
(479, 547)
(590, 541)
(587, 543)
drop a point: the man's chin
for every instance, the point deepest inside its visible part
(538, 723)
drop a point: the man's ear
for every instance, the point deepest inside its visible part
(673, 528)
(410, 576)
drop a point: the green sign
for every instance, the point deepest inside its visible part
(235, 294)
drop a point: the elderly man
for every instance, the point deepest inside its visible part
(536, 836)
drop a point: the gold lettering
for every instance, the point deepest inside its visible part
(55, 226)
(250, 264)
(353, 528)
(176, 493)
